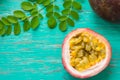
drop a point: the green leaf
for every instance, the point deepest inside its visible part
(56, 7)
(24, 18)
(63, 26)
(1, 24)
(19, 14)
(75, 15)
(35, 22)
(12, 19)
(40, 16)
(34, 12)
(56, 14)
(2, 28)
(70, 22)
(35, 6)
(62, 18)
(67, 4)
(77, 5)
(26, 25)
(9, 30)
(5, 21)
(17, 29)
(66, 11)
(50, 8)
(40, 1)
(2, 31)
(51, 22)
(27, 5)
(46, 2)
(49, 14)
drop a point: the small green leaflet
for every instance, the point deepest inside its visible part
(17, 29)
(2, 31)
(26, 25)
(34, 12)
(74, 15)
(70, 22)
(66, 11)
(56, 7)
(40, 16)
(5, 21)
(35, 22)
(63, 26)
(52, 22)
(67, 4)
(19, 14)
(35, 6)
(12, 19)
(40, 1)
(24, 18)
(50, 8)
(62, 18)
(77, 5)
(27, 5)
(8, 30)
(1, 27)
(49, 14)
(56, 14)
(46, 2)
(1, 24)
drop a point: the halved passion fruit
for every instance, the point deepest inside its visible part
(85, 53)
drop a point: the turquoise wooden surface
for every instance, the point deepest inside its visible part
(36, 55)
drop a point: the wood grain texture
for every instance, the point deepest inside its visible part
(36, 55)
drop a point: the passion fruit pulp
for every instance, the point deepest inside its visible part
(85, 53)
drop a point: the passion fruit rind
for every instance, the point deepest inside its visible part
(91, 69)
(85, 51)
(107, 9)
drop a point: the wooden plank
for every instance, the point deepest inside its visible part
(36, 55)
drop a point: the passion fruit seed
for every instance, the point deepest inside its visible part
(85, 51)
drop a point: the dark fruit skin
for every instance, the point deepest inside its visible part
(107, 9)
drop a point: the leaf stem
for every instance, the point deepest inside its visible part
(70, 9)
(53, 9)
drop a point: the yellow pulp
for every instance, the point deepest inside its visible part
(85, 51)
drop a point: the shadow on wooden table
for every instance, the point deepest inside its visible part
(104, 75)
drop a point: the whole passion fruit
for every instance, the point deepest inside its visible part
(108, 9)
(85, 53)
